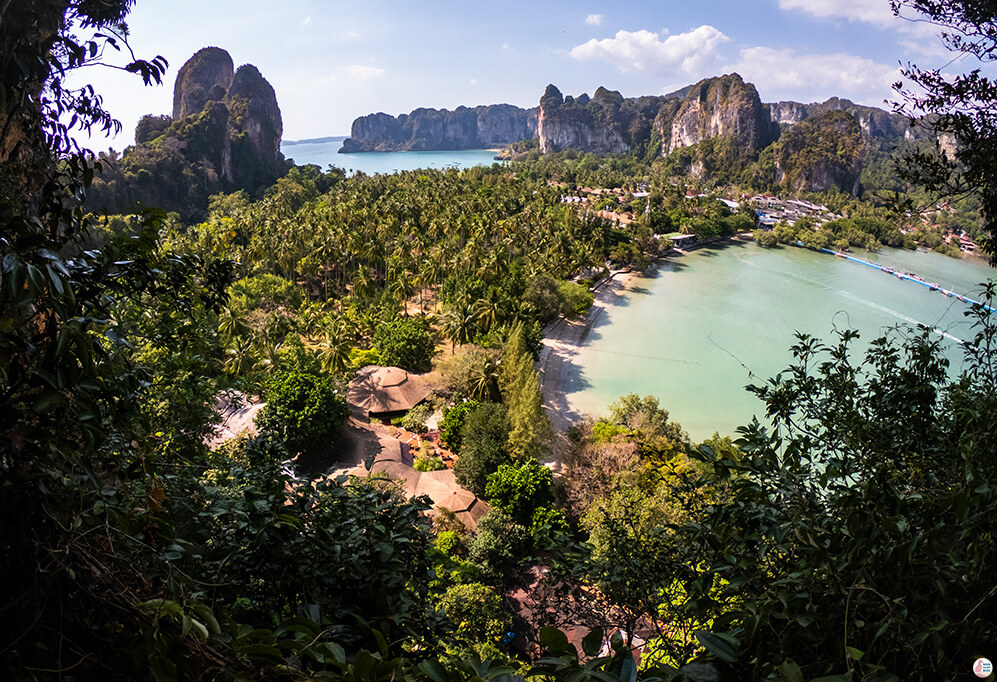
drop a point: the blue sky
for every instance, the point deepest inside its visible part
(330, 62)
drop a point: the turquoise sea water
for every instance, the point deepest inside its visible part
(325, 153)
(706, 324)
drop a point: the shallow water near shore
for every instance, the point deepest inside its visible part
(704, 325)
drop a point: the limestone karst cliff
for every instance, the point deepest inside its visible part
(567, 123)
(726, 107)
(873, 121)
(204, 78)
(716, 124)
(223, 135)
(822, 152)
(479, 127)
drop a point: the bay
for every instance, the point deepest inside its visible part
(704, 325)
(325, 152)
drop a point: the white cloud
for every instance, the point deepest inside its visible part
(689, 52)
(473, 81)
(349, 34)
(363, 72)
(505, 46)
(873, 11)
(306, 21)
(784, 74)
(593, 19)
(921, 36)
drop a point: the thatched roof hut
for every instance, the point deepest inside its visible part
(383, 390)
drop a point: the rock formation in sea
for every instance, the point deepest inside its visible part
(223, 135)
(480, 127)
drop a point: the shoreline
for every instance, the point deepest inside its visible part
(562, 340)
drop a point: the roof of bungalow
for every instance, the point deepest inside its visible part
(377, 389)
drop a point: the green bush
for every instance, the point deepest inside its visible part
(453, 422)
(484, 446)
(405, 343)
(415, 419)
(303, 411)
(520, 490)
(428, 464)
(477, 612)
(575, 298)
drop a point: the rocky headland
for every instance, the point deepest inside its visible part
(722, 108)
(482, 127)
(222, 135)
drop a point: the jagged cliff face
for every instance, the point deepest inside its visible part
(821, 153)
(255, 127)
(873, 122)
(224, 136)
(724, 106)
(204, 78)
(605, 123)
(429, 129)
(570, 124)
(787, 113)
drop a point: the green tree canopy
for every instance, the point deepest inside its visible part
(520, 490)
(303, 410)
(484, 446)
(405, 343)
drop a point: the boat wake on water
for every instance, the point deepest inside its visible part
(899, 315)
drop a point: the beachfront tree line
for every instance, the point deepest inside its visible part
(852, 537)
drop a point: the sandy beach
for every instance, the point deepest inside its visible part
(562, 340)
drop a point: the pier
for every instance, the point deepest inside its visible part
(910, 277)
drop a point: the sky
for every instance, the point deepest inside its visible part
(331, 61)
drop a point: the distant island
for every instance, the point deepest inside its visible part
(314, 140)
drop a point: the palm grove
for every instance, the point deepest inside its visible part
(849, 537)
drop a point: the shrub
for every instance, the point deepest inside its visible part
(405, 343)
(302, 410)
(415, 419)
(453, 422)
(484, 441)
(428, 464)
(520, 490)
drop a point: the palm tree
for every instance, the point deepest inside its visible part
(231, 324)
(404, 287)
(488, 310)
(239, 357)
(484, 384)
(457, 323)
(334, 351)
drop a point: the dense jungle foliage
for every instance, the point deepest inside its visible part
(850, 538)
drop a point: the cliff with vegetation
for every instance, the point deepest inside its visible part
(873, 121)
(821, 153)
(716, 129)
(223, 135)
(606, 123)
(480, 127)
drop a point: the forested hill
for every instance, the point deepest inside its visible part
(223, 135)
